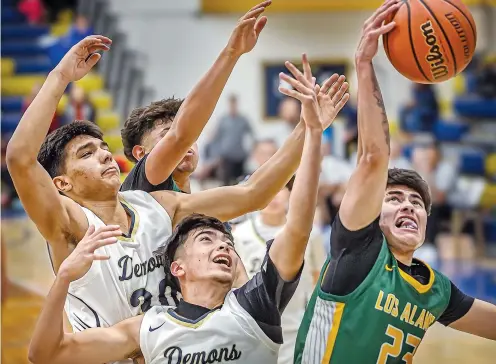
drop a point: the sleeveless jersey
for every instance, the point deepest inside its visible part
(382, 321)
(133, 279)
(251, 247)
(220, 336)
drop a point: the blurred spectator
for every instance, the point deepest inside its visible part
(289, 111)
(441, 175)
(33, 10)
(420, 114)
(227, 147)
(29, 99)
(349, 112)
(486, 81)
(397, 159)
(333, 179)
(262, 151)
(79, 107)
(54, 7)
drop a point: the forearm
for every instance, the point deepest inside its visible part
(49, 330)
(373, 125)
(35, 123)
(200, 103)
(273, 175)
(288, 250)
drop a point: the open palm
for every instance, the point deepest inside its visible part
(82, 57)
(332, 97)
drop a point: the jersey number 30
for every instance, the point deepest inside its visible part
(394, 350)
(167, 297)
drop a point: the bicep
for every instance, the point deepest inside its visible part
(362, 201)
(101, 345)
(223, 203)
(42, 201)
(480, 320)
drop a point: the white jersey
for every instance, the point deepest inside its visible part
(250, 239)
(220, 336)
(133, 279)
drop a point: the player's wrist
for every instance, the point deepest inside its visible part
(231, 53)
(63, 278)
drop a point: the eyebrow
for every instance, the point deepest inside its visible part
(213, 235)
(401, 193)
(89, 144)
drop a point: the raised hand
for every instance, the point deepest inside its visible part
(304, 90)
(373, 28)
(82, 57)
(249, 27)
(78, 263)
(332, 97)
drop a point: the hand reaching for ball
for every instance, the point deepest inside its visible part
(374, 28)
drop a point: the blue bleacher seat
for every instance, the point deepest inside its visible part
(475, 107)
(23, 31)
(10, 121)
(472, 163)
(490, 230)
(11, 15)
(24, 48)
(449, 131)
(33, 65)
(11, 104)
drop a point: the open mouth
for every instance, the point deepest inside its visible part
(223, 260)
(405, 222)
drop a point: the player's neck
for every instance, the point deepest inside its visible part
(271, 219)
(403, 257)
(182, 181)
(109, 211)
(209, 295)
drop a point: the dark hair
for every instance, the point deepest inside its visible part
(52, 152)
(411, 179)
(180, 235)
(144, 119)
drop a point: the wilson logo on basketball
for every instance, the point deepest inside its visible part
(461, 34)
(435, 56)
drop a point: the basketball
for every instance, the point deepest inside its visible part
(433, 40)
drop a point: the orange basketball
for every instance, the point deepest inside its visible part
(433, 40)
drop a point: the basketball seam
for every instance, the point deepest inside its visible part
(474, 31)
(444, 33)
(411, 42)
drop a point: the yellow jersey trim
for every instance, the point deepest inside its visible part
(421, 288)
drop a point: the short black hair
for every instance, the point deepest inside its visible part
(146, 118)
(52, 152)
(411, 179)
(180, 235)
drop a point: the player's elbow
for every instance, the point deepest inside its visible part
(16, 156)
(37, 355)
(374, 159)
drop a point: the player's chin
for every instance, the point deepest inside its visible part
(223, 276)
(408, 237)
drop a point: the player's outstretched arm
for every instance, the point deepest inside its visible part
(227, 203)
(363, 198)
(288, 249)
(99, 345)
(480, 320)
(36, 190)
(200, 103)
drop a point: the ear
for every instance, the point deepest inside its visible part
(177, 269)
(63, 183)
(139, 152)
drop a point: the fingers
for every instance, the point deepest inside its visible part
(260, 25)
(292, 93)
(380, 10)
(340, 93)
(91, 230)
(384, 29)
(307, 70)
(263, 4)
(299, 86)
(98, 47)
(104, 242)
(100, 257)
(329, 82)
(93, 40)
(253, 14)
(297, 74)
(384, 15)
(342, 102)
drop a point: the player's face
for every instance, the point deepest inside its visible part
(90, 169)
(280, 203)
(190, 160)
(403, 218)
(209, 256)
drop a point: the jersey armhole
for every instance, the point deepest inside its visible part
(241, 314)
(381, 261)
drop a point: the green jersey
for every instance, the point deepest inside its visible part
(381, 321)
